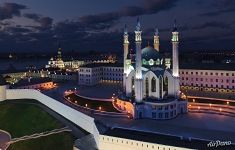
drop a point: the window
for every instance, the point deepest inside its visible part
(153, 85)
(147, 87)
(166, 115)
(166, 107)
(154, 115)
(160, 115)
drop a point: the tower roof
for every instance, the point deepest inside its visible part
(156, 32)
(125, 30)
(175, 26)
(138, 24)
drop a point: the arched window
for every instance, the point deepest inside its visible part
(153, 85)
(133, 86)
(147, 87)
(165, 85)
(160, 87)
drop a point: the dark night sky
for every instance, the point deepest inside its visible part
(84, 25)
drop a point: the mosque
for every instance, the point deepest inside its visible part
(150, 88)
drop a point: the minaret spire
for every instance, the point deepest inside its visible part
(125, 30)
(156, 40)
(138, 24)
(175, 26)
(59, 52)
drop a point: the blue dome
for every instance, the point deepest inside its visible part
(150, 53)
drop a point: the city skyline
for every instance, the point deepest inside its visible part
(37, 26)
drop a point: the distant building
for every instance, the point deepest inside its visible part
(208, 77)
(54, 73)
(92, 74)
(58, 62)
(33, 83)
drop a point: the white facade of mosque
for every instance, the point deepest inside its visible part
(149, 83)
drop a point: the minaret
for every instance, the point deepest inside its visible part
(126, 49)
(138, 41)
(138, 65)
(175, 61)
(156, 40)
(59, 52)
(175, 45)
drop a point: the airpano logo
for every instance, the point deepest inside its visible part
(219, 143)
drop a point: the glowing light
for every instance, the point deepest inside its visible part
(210, 105)
(86, 105)
(227, 103)
(76, 102)
(100, 108)
(190, 105)
(193, 100)
(220, 109)
(199, 107)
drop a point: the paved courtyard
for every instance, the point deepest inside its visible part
(197, 125)
(104, 90)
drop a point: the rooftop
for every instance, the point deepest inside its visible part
(94, 65)
(32, 81)
(208, 66)
(157, 138)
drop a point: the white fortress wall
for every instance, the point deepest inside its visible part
(80, 119)
(115, 143)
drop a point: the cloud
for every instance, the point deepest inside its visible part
(149, 7)
(218, 12)
(8, 10)
(45, 22)
(32, 16)
(213, 24)
(221, 6)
